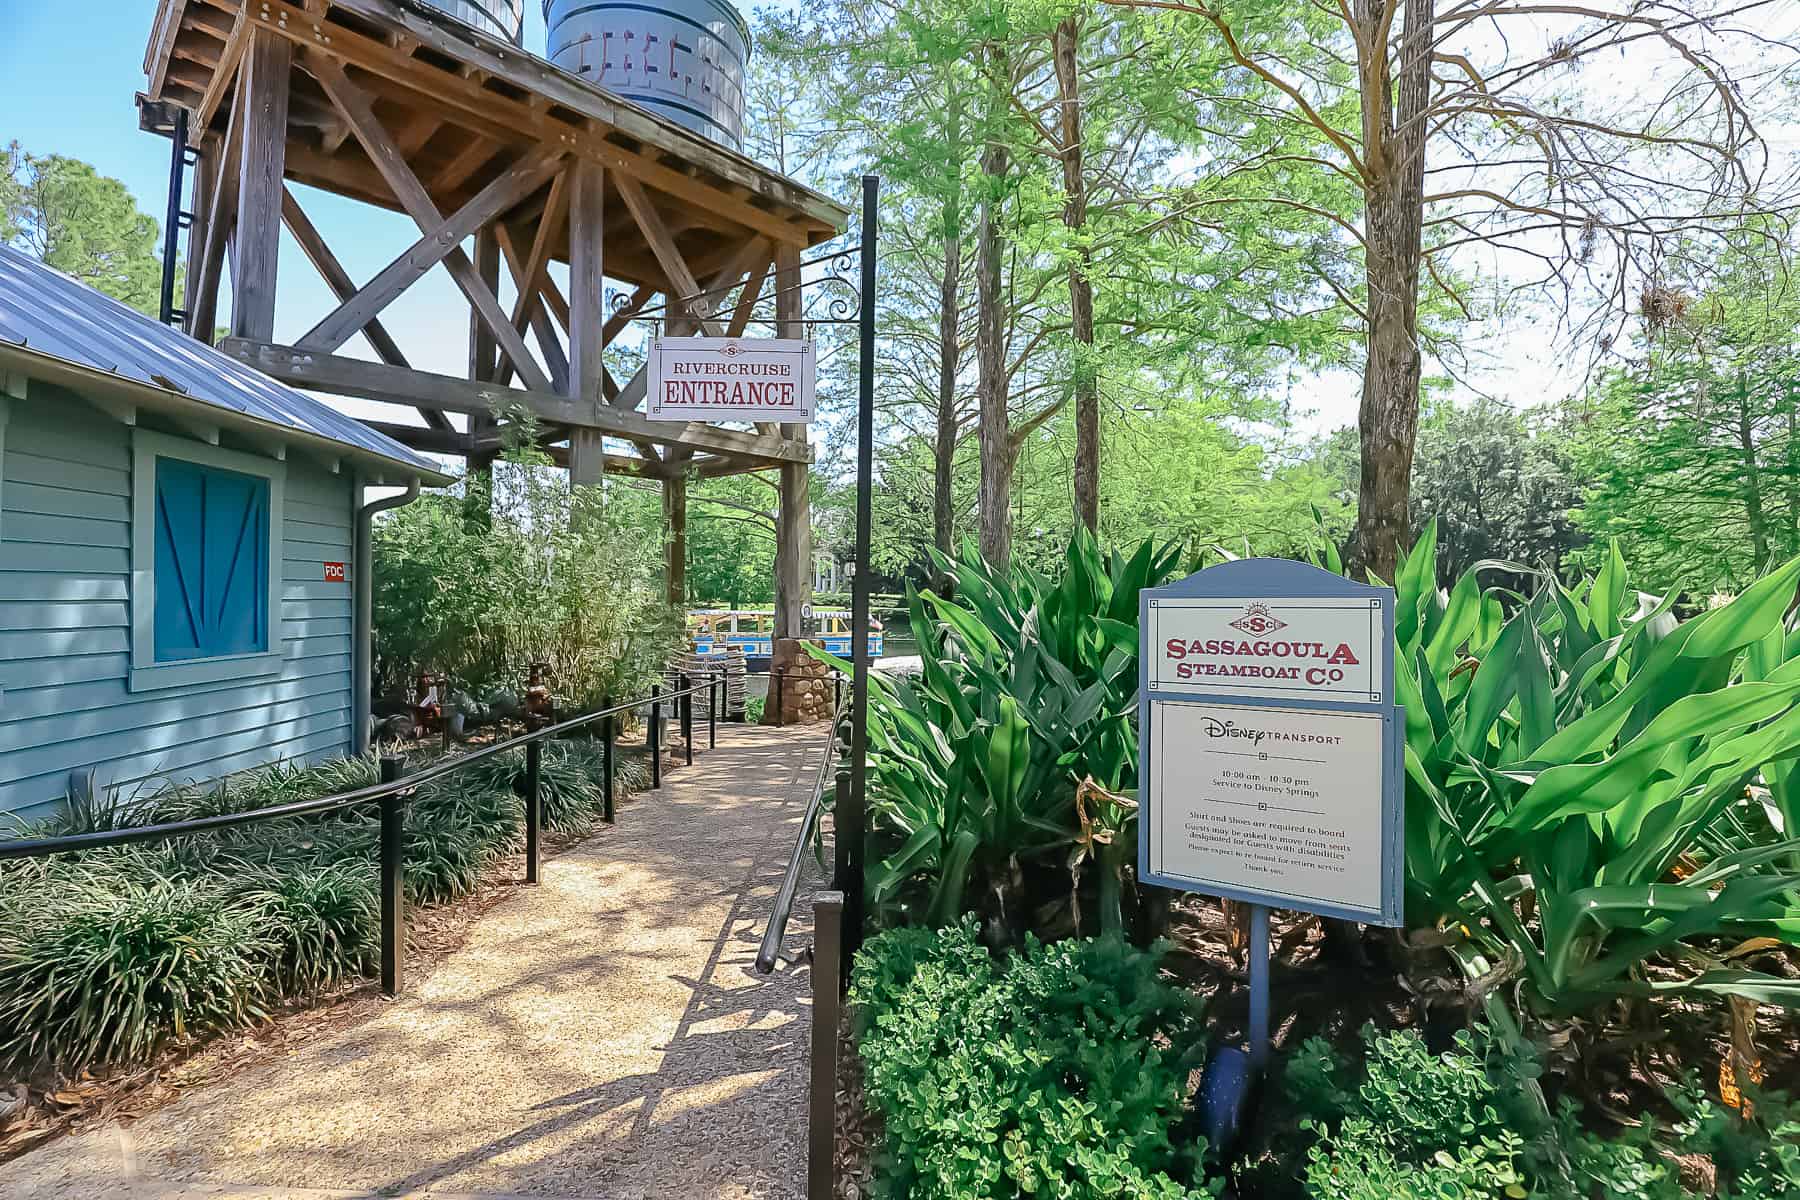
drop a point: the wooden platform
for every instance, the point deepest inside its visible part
(396, 104)
(464, 108)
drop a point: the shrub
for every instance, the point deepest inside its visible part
(569, 783)
(1057, 1072)
(549, 576)
(454, 829)
(1027, 686)
(1575, 760)
(1758, 1158)
(107, 976)
(1416, 1124)
(108, 954)
(1407, 1123)
(322, 925)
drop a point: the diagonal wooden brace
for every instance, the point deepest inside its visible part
(354, 314)
(357, 109)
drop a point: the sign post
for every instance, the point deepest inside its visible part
(1271, 760)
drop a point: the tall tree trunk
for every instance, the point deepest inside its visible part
(943, 531)
(1751, 480)
(990, 332)
(1393, 211)
(1081, 289)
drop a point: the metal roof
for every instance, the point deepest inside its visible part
(44, 311)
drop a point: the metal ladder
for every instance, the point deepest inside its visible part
(182, 156)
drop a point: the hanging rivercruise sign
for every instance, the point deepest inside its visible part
(730, 379)
(1271, 746)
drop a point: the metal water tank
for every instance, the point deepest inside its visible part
(502, 18)
(682, 59)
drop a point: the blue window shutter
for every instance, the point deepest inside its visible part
(212, 562)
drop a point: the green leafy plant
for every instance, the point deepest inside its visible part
(481, 586)
(321, 925)
(1404, 1122)
(1756, 1156)
(1573, 761)
(1409, 1123)
(111, 975)
(1027, 687)
(454, 829)
(107, 955)
(1058, 1071)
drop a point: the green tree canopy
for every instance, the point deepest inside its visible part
(1691, 448)
(83, 223)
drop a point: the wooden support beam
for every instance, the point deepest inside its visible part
(682, 283)
(484, 359)
(622, 318)
(793, 525)
(221, 219)
(306, 234)
(587, 310)
(225, 75)
(674, 496)
(470, 159)
(432, 441)
(206, 182)
(739, 265)
(255, 267)
(746, 305)
(162, 43)
(437, 244)
(411, 194)
(484, 351)
(377, 381)
(529, 277)
(470, 104)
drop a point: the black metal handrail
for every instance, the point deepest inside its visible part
(39, 847)
(783, 908)
(394, 788)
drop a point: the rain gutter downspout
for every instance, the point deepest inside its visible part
(361, 654)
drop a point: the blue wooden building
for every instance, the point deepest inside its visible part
(183, 587)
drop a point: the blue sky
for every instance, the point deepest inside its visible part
(67, 85)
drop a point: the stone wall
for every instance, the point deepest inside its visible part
(804, 688)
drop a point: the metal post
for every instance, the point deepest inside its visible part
(608, 732)
(837, 691)
(712, 712)
(840, 846)
(849, 816)
(655, 737)
(172, 228)
(1259, 988)
(821, 1123)
(687, 716)
(393, 883)
(534, 809)
(775, 686)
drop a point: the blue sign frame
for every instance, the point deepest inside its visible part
(1272, 581)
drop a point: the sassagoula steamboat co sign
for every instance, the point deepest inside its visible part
(1271, 745)
(731, 379)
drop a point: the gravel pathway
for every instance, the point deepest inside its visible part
(603, 1035)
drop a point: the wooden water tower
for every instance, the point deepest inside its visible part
(396, 104)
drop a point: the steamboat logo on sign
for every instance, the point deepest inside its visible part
(1258, 621)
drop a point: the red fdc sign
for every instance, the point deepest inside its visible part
(334, 572)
